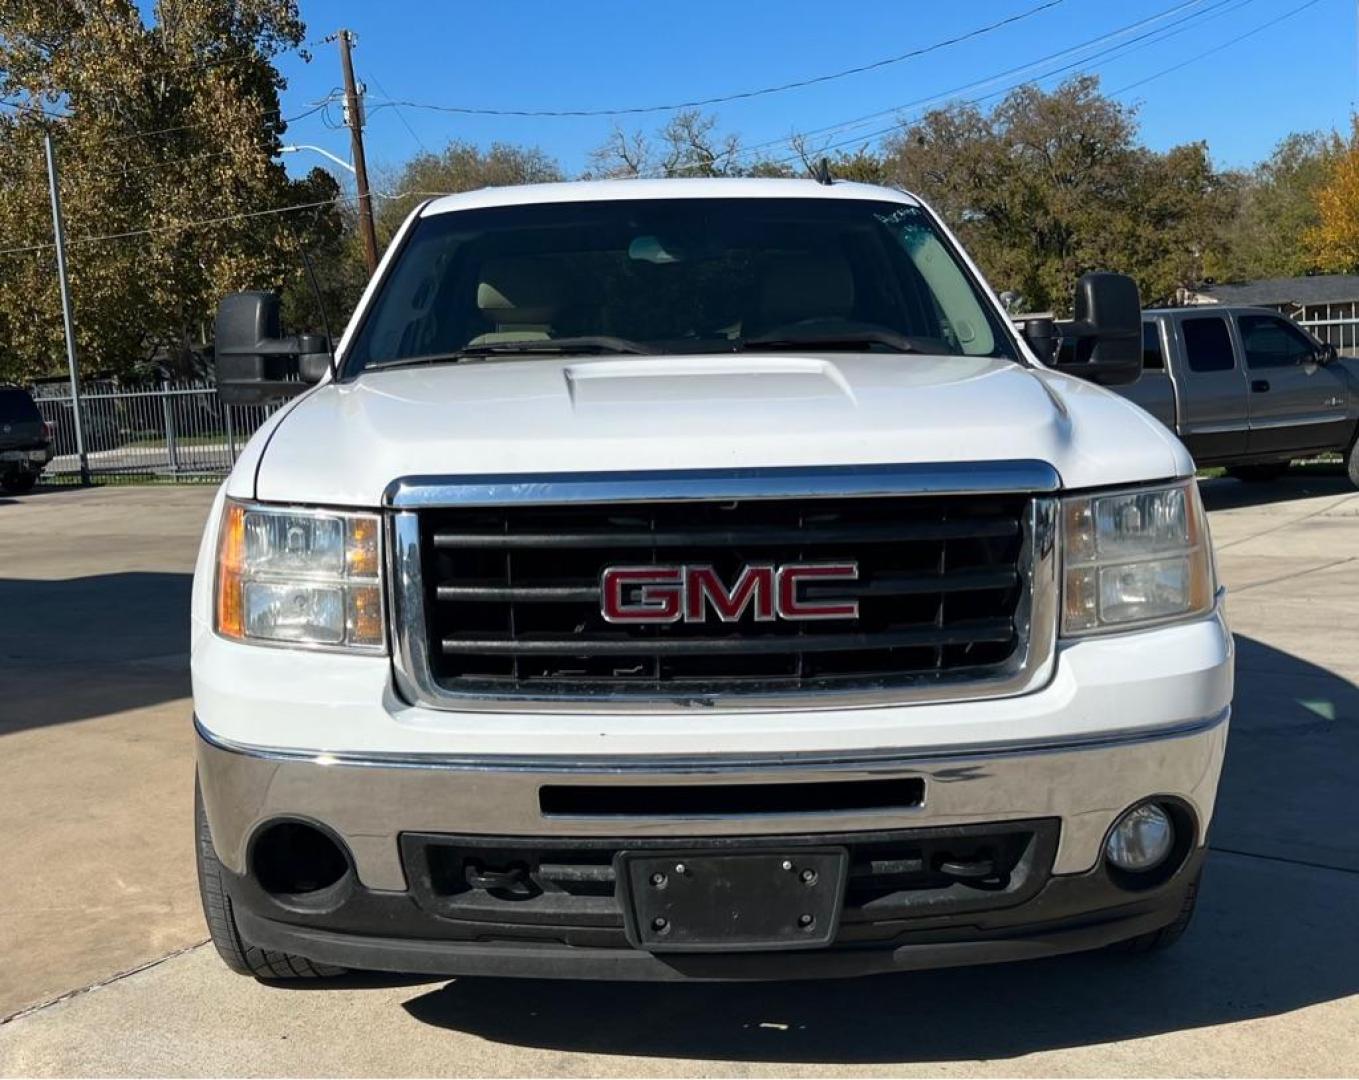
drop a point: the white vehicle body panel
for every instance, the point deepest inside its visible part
(345, 444)
(1105, 721)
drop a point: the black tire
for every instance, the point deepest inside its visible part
(237, 953)
(18, 483)
(1164, 938)
(1258, 474)
(1352, 463)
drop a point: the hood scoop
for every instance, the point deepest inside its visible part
(703, 378)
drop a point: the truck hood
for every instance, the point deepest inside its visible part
(343, 444)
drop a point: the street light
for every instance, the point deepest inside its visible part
(319, 150)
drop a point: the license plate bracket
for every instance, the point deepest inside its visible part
(706, 901)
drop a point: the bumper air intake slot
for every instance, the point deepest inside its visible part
(684, 800)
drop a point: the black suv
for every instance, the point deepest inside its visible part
(25, 444)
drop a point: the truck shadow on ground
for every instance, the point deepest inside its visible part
(1224, 493)
(1273, 934)
(91, 646)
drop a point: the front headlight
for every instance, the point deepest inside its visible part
(311, 578)
(1132, 558)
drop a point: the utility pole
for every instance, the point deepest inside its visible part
(59, 235)
(353, 108)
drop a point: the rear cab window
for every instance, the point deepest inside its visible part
(1207, 344)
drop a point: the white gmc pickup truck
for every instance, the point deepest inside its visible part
(698, 580)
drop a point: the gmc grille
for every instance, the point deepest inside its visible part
(512, 595)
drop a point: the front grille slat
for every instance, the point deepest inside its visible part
(493, 593)
(731, 538)
(886, 585)
(512, 595)
(981, 630)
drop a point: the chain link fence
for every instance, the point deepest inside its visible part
(171, 431)
(181, 432)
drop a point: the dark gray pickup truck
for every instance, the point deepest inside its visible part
(25, 443)
(1247, 388)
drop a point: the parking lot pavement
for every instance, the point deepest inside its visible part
(1266, 982)
(96, 764)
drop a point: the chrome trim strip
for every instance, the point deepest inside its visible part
(824, 482)
(1028, 669)
(1310, 420)
(868, 760)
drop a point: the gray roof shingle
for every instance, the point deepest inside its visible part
(1319, 289)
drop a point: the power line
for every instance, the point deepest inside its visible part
(1081, 63)
(401, 116)
(183, 225)
(740, 95)
(31, 106)
(20, 107)
(150, 229)
(1215, 49)
(206, 123)
(1030, 65)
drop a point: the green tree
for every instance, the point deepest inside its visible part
(460, 166)
(1333, 242)
(1277, 208)
(158, 124)
(863, 166)
(1047, 186)
(689, 145)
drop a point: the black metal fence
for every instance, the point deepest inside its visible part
(171, 431)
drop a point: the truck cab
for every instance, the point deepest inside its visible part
(1246, 388)
(698, 579)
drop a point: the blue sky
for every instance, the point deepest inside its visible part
(1297, 74)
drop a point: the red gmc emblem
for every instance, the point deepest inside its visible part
(667, 594)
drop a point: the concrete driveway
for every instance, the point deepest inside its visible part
(103, 972)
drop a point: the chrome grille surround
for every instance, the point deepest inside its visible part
(1036, 616)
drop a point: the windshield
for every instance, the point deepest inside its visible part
(676, 276)
(15, 404)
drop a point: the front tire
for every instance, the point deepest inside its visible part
(1352, 464)
(18, 483)
(237, 953)
(1166, 936)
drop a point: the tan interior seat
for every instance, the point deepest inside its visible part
(519, 298)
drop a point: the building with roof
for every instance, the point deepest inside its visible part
(1327, 304)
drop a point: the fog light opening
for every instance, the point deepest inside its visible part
(1149, 843)
(1141, 840)
(292, 858)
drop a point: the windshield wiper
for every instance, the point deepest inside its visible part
(835, 339)
(585, 343)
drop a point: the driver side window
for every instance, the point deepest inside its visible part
(1273, 342)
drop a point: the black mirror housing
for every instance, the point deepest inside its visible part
(255, 363)
(1106, 333)
(1041, 334)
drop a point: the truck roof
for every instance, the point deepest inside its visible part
(1211, 309)
(697, 188)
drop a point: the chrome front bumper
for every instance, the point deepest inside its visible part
(369, 800)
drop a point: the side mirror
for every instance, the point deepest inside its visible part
(255, 363)
(1041, 334)
(1327, 353)
(1106, 334)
